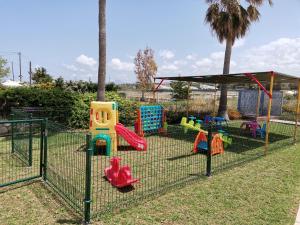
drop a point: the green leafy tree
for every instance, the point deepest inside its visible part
(41, 76)
(180, 90)
(145, 69)
(230, 20)
(111, 87)
(59, 82)
(4, 70)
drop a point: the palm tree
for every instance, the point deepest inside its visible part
(230, 20)
(102, 51)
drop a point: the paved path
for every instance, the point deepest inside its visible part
(297, 222)
(285, 122)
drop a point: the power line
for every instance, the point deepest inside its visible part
(20, 66)
(12, 70)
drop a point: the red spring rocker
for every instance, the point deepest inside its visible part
(119, 177)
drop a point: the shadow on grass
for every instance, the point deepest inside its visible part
(125, 189)
(241, 141)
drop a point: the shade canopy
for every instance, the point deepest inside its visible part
(238, 78)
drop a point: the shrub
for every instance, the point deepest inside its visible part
(63, 105)
(234, 114)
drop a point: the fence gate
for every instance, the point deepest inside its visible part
(21, 150)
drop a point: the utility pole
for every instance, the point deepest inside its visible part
(12, 71)
(20, 65)
(30, 73)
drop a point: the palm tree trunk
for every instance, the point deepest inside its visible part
(102, 51)
(222, 111)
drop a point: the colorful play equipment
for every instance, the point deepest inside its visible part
(191, 124)
(105, 128)
(218, 121)
(262, 130)
(119, 176)
(254, 128)
(132, 138)
(151, 119)
(226, 139)
(200, 144)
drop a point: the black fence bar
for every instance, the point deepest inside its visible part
(88, 179)
(45, 161)
(208, 156)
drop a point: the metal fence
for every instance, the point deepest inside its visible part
(21, 149)
(67, 163)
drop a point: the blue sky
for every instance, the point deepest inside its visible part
(61, 35)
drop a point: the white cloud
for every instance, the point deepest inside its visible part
(204, 62)
(180, 62)
(280, 55)
(85, 60)
(166, 54)
(191, 57)
(117, 64)
(217, 56)
(239, 43)
(169, 67)
(70, 67)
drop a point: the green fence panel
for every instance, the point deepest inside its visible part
(20, 150)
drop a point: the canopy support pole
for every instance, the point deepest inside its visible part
(297, 113)
(269, 111)
(153, 92)
(215, 99)
(253, 78)
(258, 103)
(156, 88)
(187, 100)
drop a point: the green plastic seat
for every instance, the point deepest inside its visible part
(107, 139)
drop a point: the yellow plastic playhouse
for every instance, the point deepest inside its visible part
(103, 119)
(105, 127)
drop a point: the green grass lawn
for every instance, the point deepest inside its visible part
(264, 191)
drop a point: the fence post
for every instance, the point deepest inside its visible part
(88, 180)
(45, 149)
(30, 141)
(208, 156)
(12, 135)
(42, 146)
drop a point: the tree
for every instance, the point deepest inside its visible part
(111, 87)
(40, 76)
(180, 90)
(102, 51)
(230, 20)
(145, 69)
(4, 70)
(60, 83)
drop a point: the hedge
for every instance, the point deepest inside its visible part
(72, 106)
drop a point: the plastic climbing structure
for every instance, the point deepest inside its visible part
(106, 129)
(201, 144)
(103, 119)
(151, 119)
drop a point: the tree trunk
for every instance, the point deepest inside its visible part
(222, 111)
(102, 51)
(143, 96)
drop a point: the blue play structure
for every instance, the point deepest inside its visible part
(218, 120)
(151, 119)
(262, 131)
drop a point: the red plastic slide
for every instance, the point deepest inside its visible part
(132, 138)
